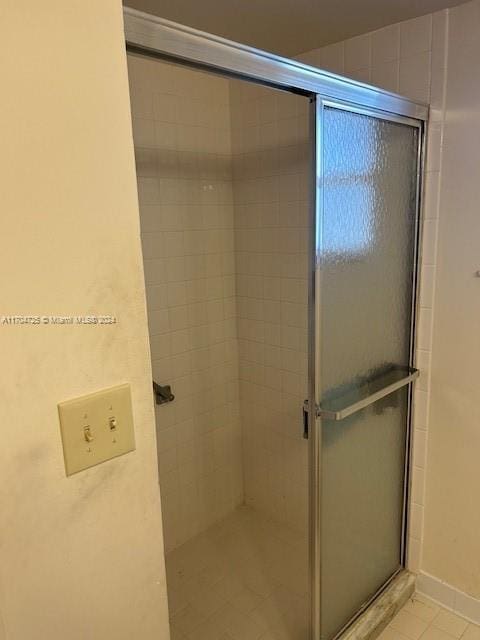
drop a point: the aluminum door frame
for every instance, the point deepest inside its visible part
(314, 352)
(151, 36)
(158, 37)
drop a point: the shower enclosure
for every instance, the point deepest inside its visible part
(279, 210)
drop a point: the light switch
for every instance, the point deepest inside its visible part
(96, 428)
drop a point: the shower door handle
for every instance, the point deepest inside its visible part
(351, 408)
(305, 419)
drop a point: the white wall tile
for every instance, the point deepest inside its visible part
(437, 93)
(418, 485)
(386, 45)
(416, 520)
(358, 53)
(424, 331)
(429, 241)
(439, 48)
(431, 194)
(469, 608)
(333, 57)
(420, 448)
(439, 591)
(423, 364)
(386, 75)
(415, 73)
(184, 171)
(427, 283)
(362, 75)
(414, 555)
(434, 145)
(415, 36)
(271, 286)
(420, 409)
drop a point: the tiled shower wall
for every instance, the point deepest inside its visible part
(408, 58)
(195, 241)
(181, 121)
(270, 159)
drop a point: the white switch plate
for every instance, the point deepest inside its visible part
(96, 428)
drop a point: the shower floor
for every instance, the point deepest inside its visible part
(245, 578)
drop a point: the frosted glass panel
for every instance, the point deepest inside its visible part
(367, 238)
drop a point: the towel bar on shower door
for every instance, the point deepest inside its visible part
(342, 407)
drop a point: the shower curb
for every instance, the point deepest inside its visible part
(371, 623)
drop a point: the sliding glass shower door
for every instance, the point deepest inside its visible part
(366, 256)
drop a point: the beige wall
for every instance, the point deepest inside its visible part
(452, 525)
(81, 557)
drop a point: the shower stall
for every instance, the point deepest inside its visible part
(280, 223)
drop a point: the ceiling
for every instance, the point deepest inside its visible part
(289, 27)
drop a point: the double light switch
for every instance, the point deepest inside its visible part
(96, 428)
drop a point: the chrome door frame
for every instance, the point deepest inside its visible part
(314, 322)
(155, 36)
(152, 36)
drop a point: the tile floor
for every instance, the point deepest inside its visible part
(422, 619)
(245, 578)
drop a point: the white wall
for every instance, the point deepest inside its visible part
(80, 557)
(452, 517)
(181, 121)
(404, 58)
